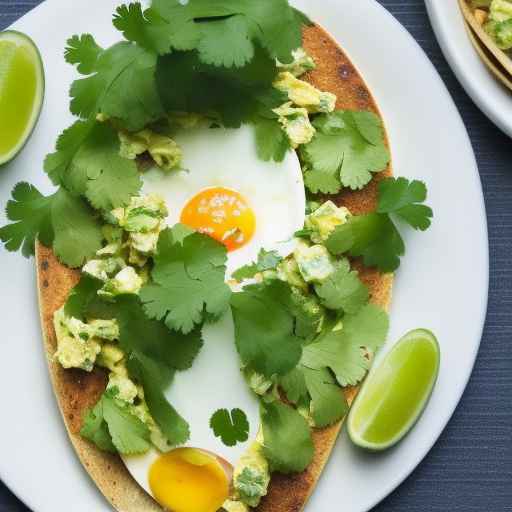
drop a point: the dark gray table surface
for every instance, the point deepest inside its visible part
(470, 468)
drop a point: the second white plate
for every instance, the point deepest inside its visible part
(492, 98)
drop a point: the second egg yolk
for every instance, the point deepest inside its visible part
(189, 480)
(223, 214)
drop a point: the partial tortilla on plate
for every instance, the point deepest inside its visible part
(77, 390)
(498, 55)
(489, 59)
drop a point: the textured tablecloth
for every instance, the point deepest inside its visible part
(470, 468)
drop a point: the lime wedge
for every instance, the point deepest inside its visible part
(395, 392)
(21, 91)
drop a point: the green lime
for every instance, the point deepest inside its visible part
(21, 91)
(396, 392)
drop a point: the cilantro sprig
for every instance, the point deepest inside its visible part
(61, 220)
(232, 427)
(114, 428)
(120, 82)
(265, 323)
(188, 281)
(344, 351)
(375, 236)
(87, 162)
(288, 442)
(347, 149)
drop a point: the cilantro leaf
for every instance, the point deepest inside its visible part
(346, 149)
(264, 328)
(65, 221)
(288, 443)
(78, 233)
(57, 164)
(294, 385)
(228, 32)
(155, 377)
(319, 389)
(152, 338)
(343, 290)
(81, 296)
(267, 260)
(401, 197)
(111, 180)
(188, 281)
(344, 350)
(87, 162)
(368, 327)
(30, 213)
(146, 28)
(235, 95)
(128, 434)
(272, 142)
(231, 428)
(347, 361)
(121, 84)
(84, 52)
(95, 429)
(372, 236)
(328, 404)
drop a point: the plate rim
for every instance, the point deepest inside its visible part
(485, 275)
(457, 64)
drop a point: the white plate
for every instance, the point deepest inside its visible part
(492, 97)
(442, 284)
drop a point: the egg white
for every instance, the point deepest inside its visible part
(214, 382)
(227, 158)
(275, 192)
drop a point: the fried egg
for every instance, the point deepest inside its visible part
(230, 194)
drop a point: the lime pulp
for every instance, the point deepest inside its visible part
(21, 91)
(396, 392)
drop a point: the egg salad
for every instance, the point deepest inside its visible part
(218, 267)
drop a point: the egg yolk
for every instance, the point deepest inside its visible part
(223, 214)
(189, 480)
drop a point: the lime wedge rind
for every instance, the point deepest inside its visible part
(357, 435)
(24, 41)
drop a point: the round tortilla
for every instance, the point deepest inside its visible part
(76, 390)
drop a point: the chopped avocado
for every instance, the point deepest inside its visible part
(301, 63)
(126, 389)
(164, 150)
(258, 382)
(312, 314)
(251, 476)
(127, 281)
(110, 249)
(234, 506)
(103, 269)
(503, 34)
(144, 243)
(500, 10)
(305, 95)
(185, 120)
(288, 271)
(499, 23)
(155, 434)
(296, 124)
(76, 347)
(143, 215)
(105, 329)
(324, 220)
(315, 263)
(112, 357)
